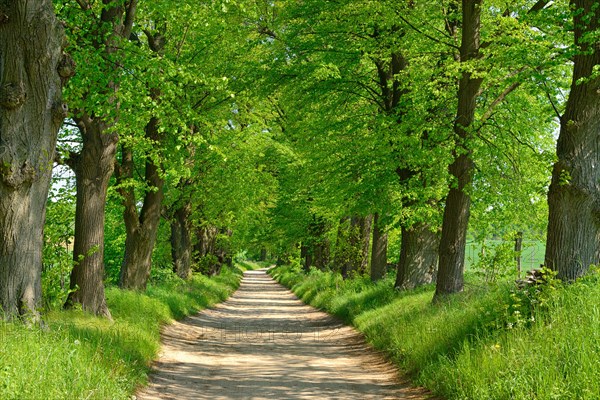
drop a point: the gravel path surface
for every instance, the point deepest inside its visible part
(264, 343)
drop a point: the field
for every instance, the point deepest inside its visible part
(532, 253)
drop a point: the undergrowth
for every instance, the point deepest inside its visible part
(490, 342)
(78, 356)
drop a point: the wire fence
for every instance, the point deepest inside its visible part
(532, 253)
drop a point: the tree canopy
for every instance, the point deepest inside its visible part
(321, 133)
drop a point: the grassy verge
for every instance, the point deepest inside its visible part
(487, 343)
(78, 356)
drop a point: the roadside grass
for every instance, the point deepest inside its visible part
(490, 342)
(78, 356)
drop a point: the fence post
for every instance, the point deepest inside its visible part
(518, 247)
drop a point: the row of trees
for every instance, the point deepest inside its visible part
(299, 127)
(153, 118)
(419, 114)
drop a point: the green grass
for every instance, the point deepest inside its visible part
(78, 356)
(474, 346)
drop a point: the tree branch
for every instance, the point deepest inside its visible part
(71, 161)
(129, 18)
(538, 6)
(180, 45)
(265, 30)
(85, 6)
(552, 102)
(426, 35)
(499, 100)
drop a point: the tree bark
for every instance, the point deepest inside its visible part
(181, 241)
(31, 113)
(378, 251)
(450, 278)
(94, 165)
(305, 257)
(93, 168)
(341, 247)
(207, 236)
(365, 236)
(307, 262)
(263, 254)
(356, 251)
(321, 253)
(418, 257)
(573, 241)
(209, 255)
(222, 251)
(416, 264)
(141, 227)
(317, 244)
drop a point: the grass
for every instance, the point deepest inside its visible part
(78, 356)
(486, 343)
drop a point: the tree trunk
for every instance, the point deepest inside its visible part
(365, 236)
(222, 250)
(263, 254)
(207, 252)
(305, 257)
(379, 251)
(356, 251)
(31, 113)
(206, 236)
(141, 228)
(418, 257)
(181, 241)
(321, 253)
(340, 257)
(308, 262)
(93, 168)
(317, 242)
(94, 165)
(139, 244)
(450, 278)
(573, 241)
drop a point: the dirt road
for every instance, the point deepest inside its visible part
(264, 343)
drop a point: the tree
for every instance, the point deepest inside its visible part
(488, 73)
(378, 250)
(418, 261)
(352, 247)
(181, 238)
(96, 115)
(142, 226)
(33, 68)
(457, 208)
(573, 241)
